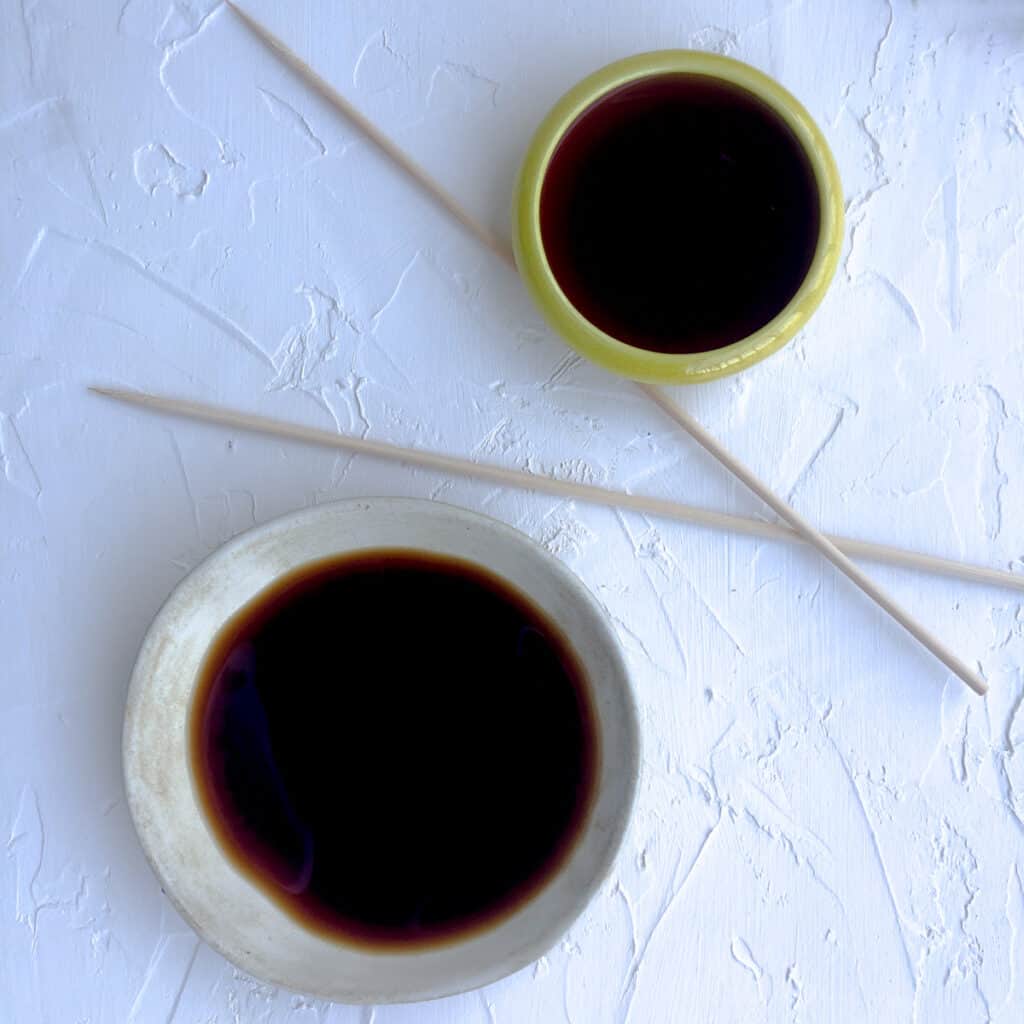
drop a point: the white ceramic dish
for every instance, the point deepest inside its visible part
(226, 909)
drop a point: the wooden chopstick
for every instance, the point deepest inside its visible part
(808, 533)
(661, 508)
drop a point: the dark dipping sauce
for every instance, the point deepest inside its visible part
(397, 747)
(679, 213)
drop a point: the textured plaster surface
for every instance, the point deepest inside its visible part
(829, 827)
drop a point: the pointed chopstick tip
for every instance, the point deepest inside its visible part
(108, 392)
(128, 395)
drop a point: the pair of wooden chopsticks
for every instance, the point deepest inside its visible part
(836, 550)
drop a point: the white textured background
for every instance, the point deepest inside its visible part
(829, 828)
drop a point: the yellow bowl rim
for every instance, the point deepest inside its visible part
(591, 341)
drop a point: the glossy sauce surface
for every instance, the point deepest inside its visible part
(397, 747)
(679, 213)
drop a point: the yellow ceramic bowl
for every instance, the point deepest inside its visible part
(594, 343)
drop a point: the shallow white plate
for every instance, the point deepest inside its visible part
(225, 908)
